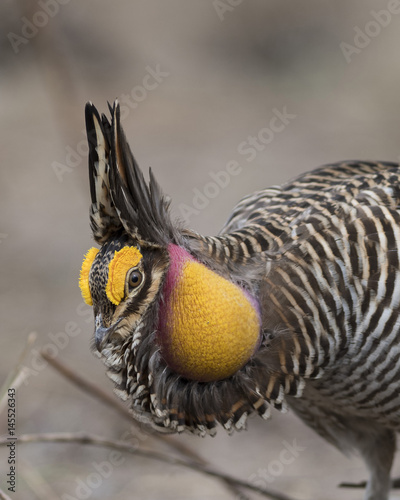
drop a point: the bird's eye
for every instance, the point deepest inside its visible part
(134, 280)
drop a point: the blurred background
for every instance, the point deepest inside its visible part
(197, 81)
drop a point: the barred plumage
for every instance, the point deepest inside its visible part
(312, 269)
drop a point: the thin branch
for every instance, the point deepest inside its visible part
(36, 482)
(14, 378)
(94, 440)
(87, 386)
(94, 390)
(4, 496)
(362, 484)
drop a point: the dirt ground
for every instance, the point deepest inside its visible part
(198, 79)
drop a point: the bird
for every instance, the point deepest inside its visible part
(293, 305)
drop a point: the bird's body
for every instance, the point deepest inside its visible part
(335, 277)
(295, 302)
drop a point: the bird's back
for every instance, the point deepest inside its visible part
(332, 241)
(280, 205)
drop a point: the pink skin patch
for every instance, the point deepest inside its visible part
(178, 256)
(254, 302)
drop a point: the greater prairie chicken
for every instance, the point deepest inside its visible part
(295, 302)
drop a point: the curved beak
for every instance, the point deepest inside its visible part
(102, 334)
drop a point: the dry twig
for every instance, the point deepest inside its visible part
(95, 440)
(4, 496)
(15, 377)
(35, 481)
(94, 390)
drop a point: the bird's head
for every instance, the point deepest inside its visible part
(179, 336)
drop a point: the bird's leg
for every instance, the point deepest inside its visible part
(374, 443)
(378, 450)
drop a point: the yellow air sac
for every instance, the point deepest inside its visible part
(210, 327)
